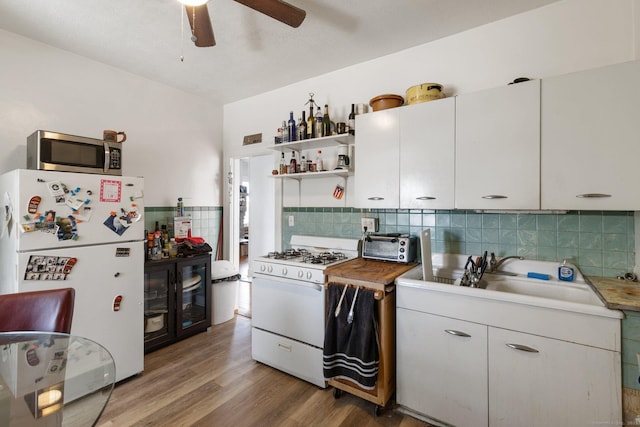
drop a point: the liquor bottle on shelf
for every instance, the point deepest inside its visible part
(326, 122)
(351, 122)
(302, 127)
(283, 165)
(284, 133)
(319, 165)
(311, 128)
(318, 124)
(303, 165)
(291, 128)
(293, 164)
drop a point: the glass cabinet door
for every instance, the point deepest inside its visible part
(192, 292)
(158, 304)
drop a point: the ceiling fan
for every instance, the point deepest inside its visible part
(200, 22)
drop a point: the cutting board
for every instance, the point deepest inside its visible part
(368, 270)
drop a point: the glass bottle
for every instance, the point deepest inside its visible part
(318, 124)
(302, 127)
(319, 165)
(351, 122)
(293, 164)
(311, 128)
(303, 165)
(284, 133)
(291, 128)
(326, 122)
(283, 165)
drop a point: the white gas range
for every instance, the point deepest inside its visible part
(288, 304)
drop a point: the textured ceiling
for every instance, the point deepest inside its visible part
(254, 53)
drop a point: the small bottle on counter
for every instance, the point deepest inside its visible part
(180, 207)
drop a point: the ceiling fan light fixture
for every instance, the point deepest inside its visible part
(193, 2)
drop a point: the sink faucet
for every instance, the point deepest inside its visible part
(495, 264)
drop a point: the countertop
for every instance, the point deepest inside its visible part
(368, 270)
(617, 294)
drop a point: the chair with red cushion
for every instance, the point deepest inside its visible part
(48, 311)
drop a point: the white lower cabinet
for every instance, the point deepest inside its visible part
(458, 364)
(539, 381)
(442, 368)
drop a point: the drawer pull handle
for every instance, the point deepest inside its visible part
(593, 196)
(522, 348)
(457, 333)
(425, 198)
(285, 347)
(494, 196)
(375, 198)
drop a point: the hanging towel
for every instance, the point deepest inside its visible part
(351, 349)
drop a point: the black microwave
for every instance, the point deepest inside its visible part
(69, 153)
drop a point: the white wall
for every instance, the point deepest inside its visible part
(174, 139)
(563, 37)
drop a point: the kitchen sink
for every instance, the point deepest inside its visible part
(513, 285)
(580, 293)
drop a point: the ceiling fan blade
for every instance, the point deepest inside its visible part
(277, 9)
(201, 26)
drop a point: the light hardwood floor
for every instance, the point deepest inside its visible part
(211, 380)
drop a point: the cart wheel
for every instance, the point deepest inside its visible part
(376, 410)
(337, 393)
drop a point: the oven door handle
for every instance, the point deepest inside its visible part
(275, 280)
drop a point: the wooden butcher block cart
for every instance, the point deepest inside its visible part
(379, 277)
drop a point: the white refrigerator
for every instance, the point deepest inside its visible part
(83, 231)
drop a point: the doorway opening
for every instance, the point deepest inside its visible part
(244, 284)
(255, 232)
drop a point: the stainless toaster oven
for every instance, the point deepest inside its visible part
(390, 247)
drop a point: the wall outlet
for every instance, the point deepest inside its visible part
(291, 221)
(370, 223)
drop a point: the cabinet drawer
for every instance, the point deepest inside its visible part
(293, 357)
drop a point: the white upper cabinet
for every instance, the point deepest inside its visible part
(591, 139)
(498, 148)
(427, 150)
(377, 158)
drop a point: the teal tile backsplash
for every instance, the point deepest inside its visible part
(599, 243)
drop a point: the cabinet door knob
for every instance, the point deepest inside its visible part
(522, 348)
(593, 196)
(457, 333)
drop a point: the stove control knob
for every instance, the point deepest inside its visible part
(263, 268)
(284, 271)
(309, 275)
(300, 274)
(270, 269)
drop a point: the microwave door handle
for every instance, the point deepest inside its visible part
(107, 156)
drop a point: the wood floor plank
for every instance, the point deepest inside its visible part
(210, 380)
